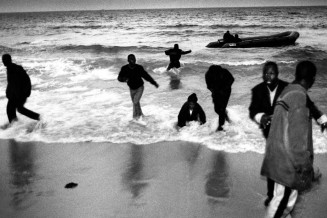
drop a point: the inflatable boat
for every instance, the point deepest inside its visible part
(281, 39)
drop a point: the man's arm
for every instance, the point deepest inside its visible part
(317, 114)
(147, 77)
(298, 128)
(202, 115)
(228, 77)
(122, 76)
(182, 115)
(186, 52)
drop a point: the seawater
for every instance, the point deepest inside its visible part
(73, 59)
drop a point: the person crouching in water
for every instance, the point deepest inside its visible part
(133, 73)
(191, 111)
(219, 82)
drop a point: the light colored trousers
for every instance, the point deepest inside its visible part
(282, 203)
(136, 95)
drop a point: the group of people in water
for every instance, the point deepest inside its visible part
(218, 80)
(282, 110)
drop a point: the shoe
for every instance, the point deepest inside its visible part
(220, 128)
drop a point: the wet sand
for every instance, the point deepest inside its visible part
(168, 179)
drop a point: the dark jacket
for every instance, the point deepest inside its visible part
(134, 76)
(260, 103)
(185, 116)
(19, 83)
(289, 152)
(219, 81)
(175, 54)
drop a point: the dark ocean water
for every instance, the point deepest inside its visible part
(74, 58)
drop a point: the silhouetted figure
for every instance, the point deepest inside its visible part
(18, 90)
(175, 55)
(219, 82)
(228, 37)
(191, 111)
(133, 73)
(236, 39)
(264, 96)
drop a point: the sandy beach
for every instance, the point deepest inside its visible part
(168, 179)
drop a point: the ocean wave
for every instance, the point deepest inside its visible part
(240, 136)
(180, 25)
(302, 53)
(96, 48)
(80, 27)
(227, 26)
(5, 49)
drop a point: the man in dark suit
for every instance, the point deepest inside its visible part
(264, 96)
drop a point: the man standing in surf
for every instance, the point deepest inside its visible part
(133, 73)
(289, 154)
(18, 90)
(263, 101)
(175, 55)
(219, 81)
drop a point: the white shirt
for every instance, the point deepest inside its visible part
(258, 116)
(272, 94)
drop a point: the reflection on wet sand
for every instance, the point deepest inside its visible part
(133, 177)
(22, 170)
(218, 185)
(175, 81)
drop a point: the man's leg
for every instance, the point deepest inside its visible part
(21, 109)
(11, 110)
(133, 92)
(282, 203)
(136, 97)
(270, 192)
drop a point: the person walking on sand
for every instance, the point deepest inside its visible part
(18, 90)
(288, 159)
(263, 101)
(175, 55)
(219, 81)
(191, 111)
(133, 73)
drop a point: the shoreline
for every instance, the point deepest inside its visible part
(165, 179)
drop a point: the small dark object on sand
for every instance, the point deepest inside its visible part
(71, 185)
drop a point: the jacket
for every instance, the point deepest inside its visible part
(134, 76)
(289, 152)
(19, 83)
(185, 116)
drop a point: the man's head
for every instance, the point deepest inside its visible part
(192, 100)
(131, 60)
(6, 59)
(305, 74)
(270, 73)
(176, 46)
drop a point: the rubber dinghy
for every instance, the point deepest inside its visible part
(281, 39)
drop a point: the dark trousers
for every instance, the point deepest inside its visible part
(270, 188)
(18, 105)
(220, 101)
(175, 64)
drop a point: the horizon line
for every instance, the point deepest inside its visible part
(136, 9)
